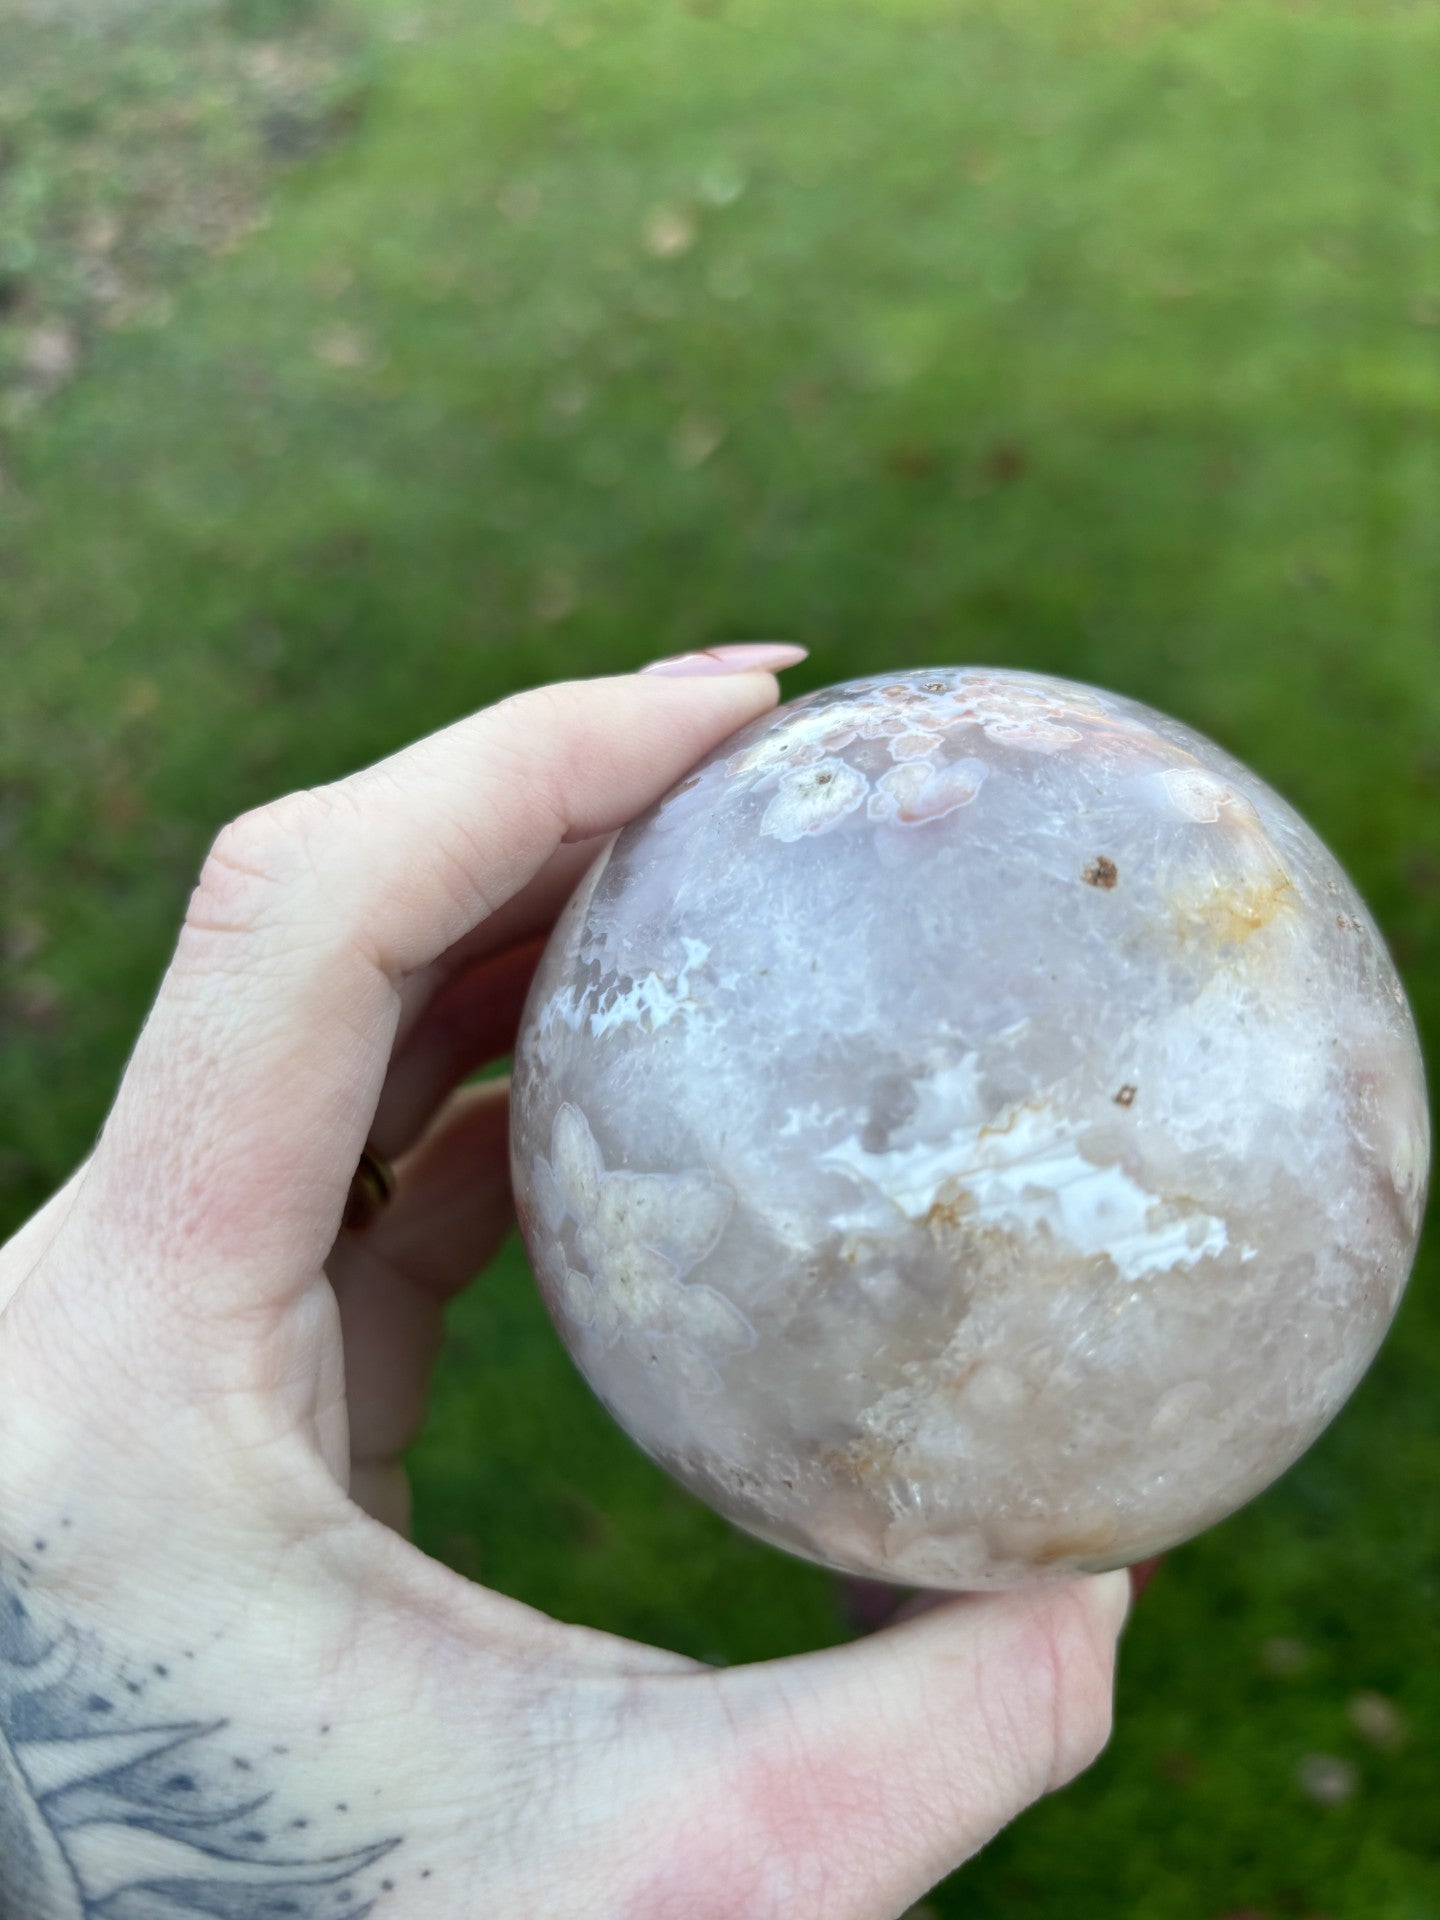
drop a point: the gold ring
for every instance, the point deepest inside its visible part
(370, 1189)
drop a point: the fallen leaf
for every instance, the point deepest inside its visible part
(1378, 1720)
(1178, 1767)
(519, 201)
(22, 937)
(50, 354)
(722, 183)
(343, 347)
(555, 599)
(669, 232)
(912, 462)
(1005, 462)
(695, 440)
(39, 1001)
(1284, 1656)
(1326, 1779)
(100, 232)
(140, 698)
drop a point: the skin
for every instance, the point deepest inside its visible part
(206, 1387)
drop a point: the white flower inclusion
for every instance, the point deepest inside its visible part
(635, 1238)
(814, 789)
(813, 799)
(916, 791)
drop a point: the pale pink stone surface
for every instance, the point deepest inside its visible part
(970, 1130)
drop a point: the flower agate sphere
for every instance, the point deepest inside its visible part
(970, 1130)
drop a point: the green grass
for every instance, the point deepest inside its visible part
(137, 136)
(1100, 339)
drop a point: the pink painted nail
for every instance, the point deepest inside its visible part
(741, 656)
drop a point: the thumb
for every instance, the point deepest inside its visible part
(868, 1772)
(219, 1179)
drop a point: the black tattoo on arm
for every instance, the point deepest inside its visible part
(108, 1812)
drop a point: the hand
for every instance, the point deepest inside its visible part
(229, 1686)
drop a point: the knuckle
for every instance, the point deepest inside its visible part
(551, 715)
(1045, 1707)
(1078, 1676)
(260, 854)
(535, 739)
(542, 716)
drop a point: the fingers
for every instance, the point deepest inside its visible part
(220, 1176)
(450, 1210)
(452, 1205)
(528, 915)
(470, 1021)
(462, 1011)
(863, 1775)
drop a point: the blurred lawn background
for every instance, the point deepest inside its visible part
(360, 364)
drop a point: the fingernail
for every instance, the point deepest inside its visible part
(741, 656)
(1112, 1591)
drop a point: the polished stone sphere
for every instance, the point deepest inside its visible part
(970, 1130)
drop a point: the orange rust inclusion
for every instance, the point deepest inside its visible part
(1079, 1545)
(1044, 1543)
(1233, 914)
(949, 1208)
(865, 1462)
